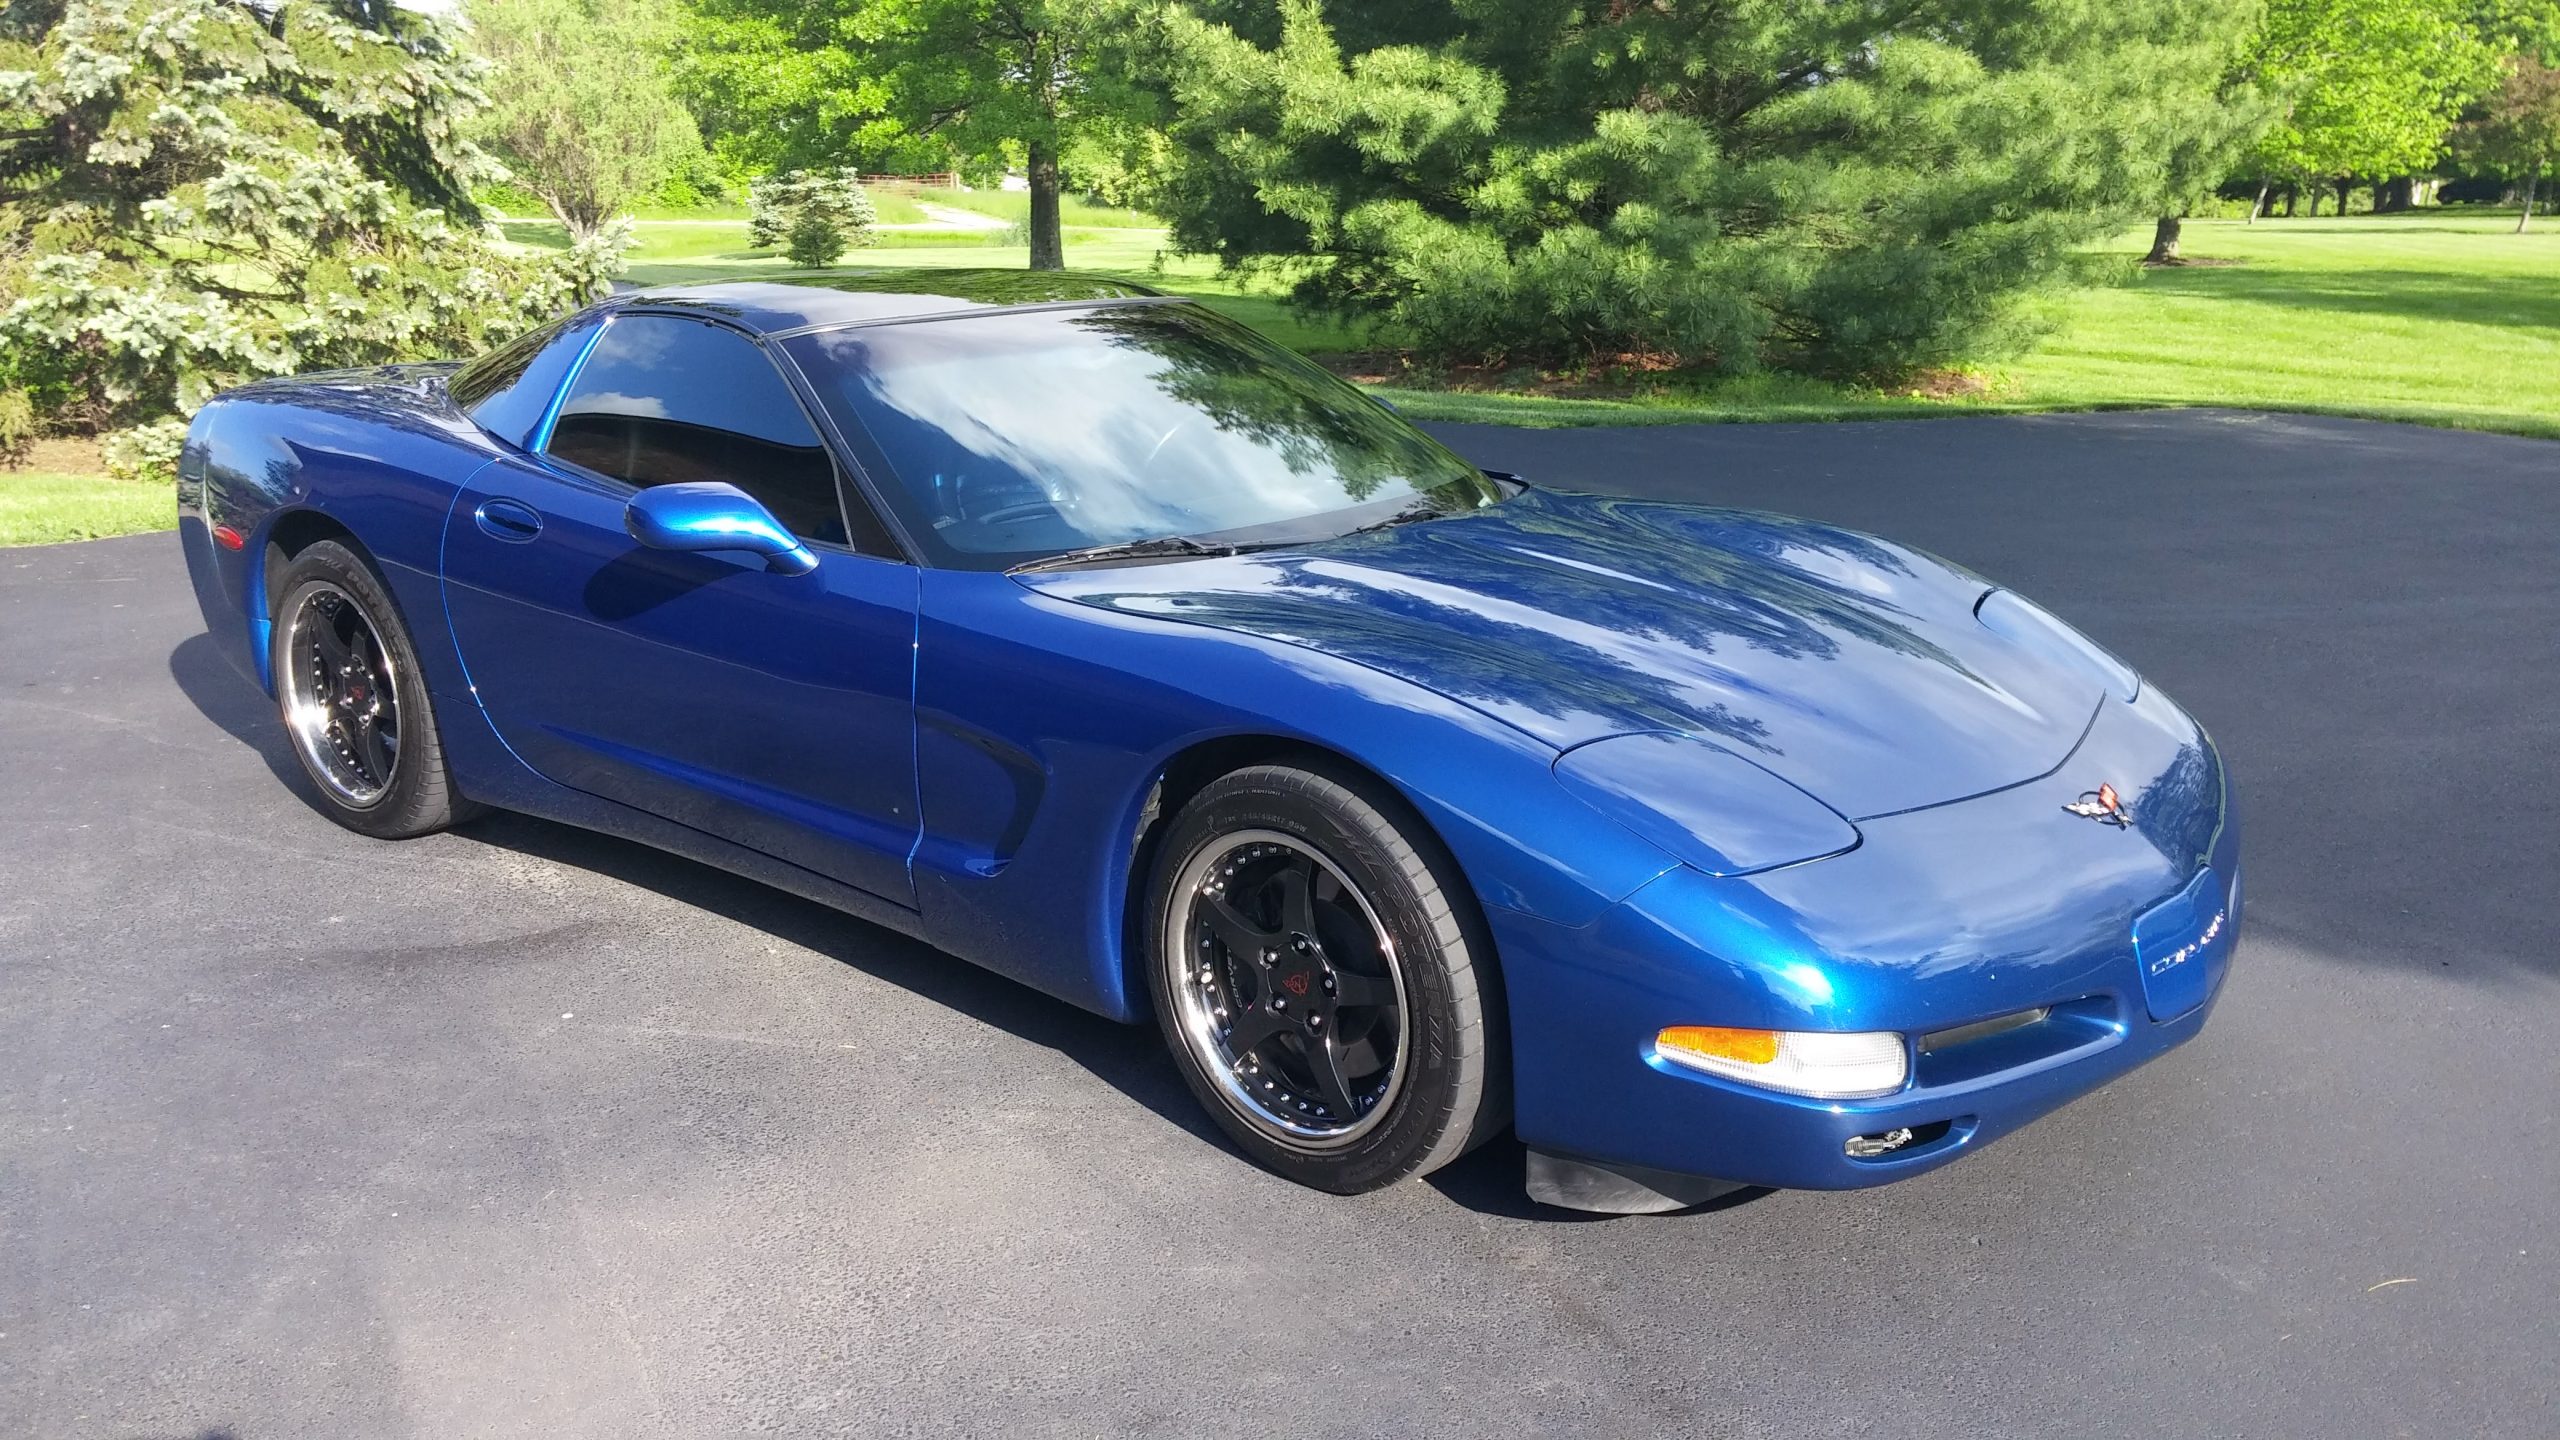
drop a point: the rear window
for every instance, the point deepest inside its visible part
(507, 390)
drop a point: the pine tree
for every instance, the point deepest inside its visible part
(195, 193)
(1846, 188)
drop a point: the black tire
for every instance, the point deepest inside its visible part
(417, 796)
(1446, 1090)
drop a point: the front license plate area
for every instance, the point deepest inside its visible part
(2181, 944)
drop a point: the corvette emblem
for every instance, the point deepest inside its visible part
(1295, 984)
(2102, 805)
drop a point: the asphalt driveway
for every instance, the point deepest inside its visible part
(524, 1131)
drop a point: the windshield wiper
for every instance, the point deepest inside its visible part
(1155, 548)
(1423, 508)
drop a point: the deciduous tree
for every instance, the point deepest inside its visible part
(778, 87)
(2518, 131)
(987, 78)
(582, 106)
(2371, 87)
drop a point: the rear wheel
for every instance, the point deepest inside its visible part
(1319, 974)
(353, 702)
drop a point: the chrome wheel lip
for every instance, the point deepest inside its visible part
(309, 715)
(1198, 1027)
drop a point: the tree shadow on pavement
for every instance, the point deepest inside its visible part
(1129, 1058)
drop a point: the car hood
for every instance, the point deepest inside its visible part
(1852, 667)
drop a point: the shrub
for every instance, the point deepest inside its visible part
(205, 193)
(814, 241)
(777, 204)
(1833, 188)
(17, 425)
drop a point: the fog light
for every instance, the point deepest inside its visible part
(1822, 1064)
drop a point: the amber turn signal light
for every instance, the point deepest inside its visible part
(1829, 1065)
(1751, 1047)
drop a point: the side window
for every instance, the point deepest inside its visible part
(663, 400)
(507, 390)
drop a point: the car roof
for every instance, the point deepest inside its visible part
(866, 296)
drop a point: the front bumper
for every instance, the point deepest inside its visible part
(1942, 918)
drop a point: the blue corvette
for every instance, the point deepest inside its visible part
(1092, 638)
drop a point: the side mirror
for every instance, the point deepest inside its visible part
(710, 515)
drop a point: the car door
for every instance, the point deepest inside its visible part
(776, 711)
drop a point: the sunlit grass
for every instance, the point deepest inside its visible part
(1015, 206)
(41, 508)
(2441, 318)
(897, 207)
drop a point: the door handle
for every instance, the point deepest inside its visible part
(509, 520)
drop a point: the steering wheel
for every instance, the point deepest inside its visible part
(1019, 510)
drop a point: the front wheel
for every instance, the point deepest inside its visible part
(1321, 978)
(348, 686)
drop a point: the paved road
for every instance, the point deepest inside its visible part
(522, 1131)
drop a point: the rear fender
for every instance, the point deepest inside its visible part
(278, 466)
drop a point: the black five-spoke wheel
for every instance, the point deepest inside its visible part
(341, 696)
(353, 701)
(1321, 975)
(1292, 991)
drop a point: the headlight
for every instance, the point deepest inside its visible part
(1703, 805)
(2021, 621)
(1824, 1064)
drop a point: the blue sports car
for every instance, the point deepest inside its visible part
(1092, 638)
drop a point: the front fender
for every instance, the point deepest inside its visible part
(1033, 793)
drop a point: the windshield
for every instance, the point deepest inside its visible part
(1015, 436)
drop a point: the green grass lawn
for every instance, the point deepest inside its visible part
(2441, 319)
(39, 508)
(1015, 205)
(897, 207)
(2444, 318)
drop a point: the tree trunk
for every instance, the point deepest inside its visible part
(2532, 182)
(2258, 206)
(2316, 196)
(1048, 248)
(574, 214)
(2345, 186)
(2164, 242)
(2292, 197)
